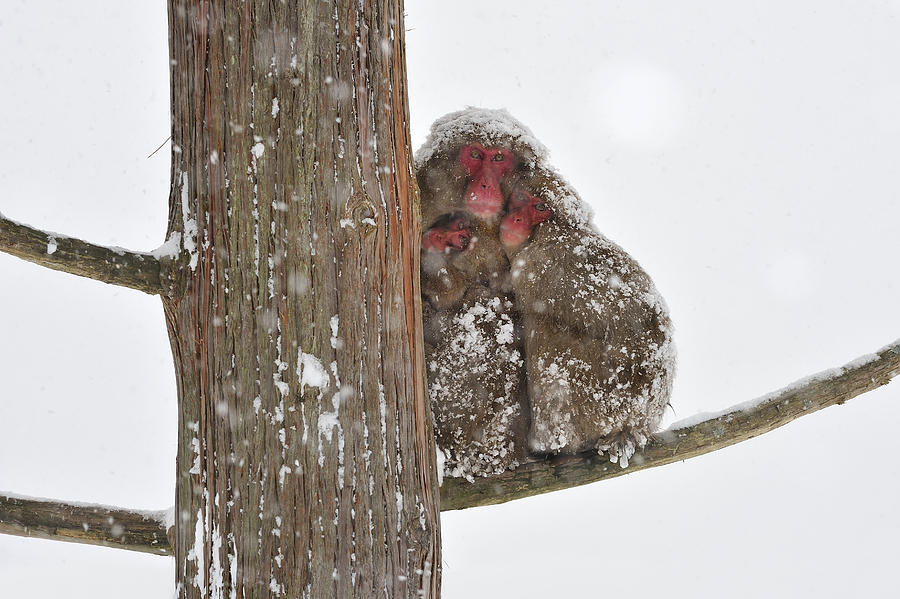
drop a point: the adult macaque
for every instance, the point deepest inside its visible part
(485, 168)
(473, 340)
(468, 160)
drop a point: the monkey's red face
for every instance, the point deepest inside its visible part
(525, 213)
(485, 169)
(447, 236)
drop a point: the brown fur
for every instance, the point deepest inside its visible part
(593, 334)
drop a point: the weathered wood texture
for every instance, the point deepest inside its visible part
(89, 524)
(305, 466)
(738, 423)
(110, 265)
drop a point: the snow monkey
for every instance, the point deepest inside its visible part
(473, 340)
(459, 252)
(595, 334)
(466, 163)
(598, 340)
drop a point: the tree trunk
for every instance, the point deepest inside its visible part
(305, 451)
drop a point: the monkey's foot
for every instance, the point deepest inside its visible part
(621, 446)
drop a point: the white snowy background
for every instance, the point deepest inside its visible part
(746, 153)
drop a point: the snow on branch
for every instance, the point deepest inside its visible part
(85, 523)
(146, 531)
(110, 265)
(686, 439)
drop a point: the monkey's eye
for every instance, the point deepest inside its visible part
(540, 207)
(498, 157)
(476, 155)
(460, 225)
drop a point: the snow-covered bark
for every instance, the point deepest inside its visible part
(305, 460)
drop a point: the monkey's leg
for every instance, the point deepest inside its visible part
(475, 378)
(585, 395)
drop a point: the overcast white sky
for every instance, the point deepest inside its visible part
(745, 153)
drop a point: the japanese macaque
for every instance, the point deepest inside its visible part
(473, 339)
(459, 252)
(598, 349)
(541, 334)
(485, 168)
(452, 233)
(524, 214)
(466, 165)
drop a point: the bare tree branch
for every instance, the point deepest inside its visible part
(83, 523)
(141, 531)
(111, 265)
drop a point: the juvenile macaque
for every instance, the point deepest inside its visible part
(473, 349)
(599, 355)
(473, 356)
(524, 213)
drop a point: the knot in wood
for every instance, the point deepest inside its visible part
(360, 214)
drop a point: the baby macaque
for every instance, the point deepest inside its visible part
(442, 284)
(599, 354)
(457, 254)
(451, 234)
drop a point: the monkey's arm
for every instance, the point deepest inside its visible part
(111, 265)
(584, 282)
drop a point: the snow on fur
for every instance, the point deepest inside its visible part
(598, 348)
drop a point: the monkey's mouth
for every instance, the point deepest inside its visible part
(484, 200)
